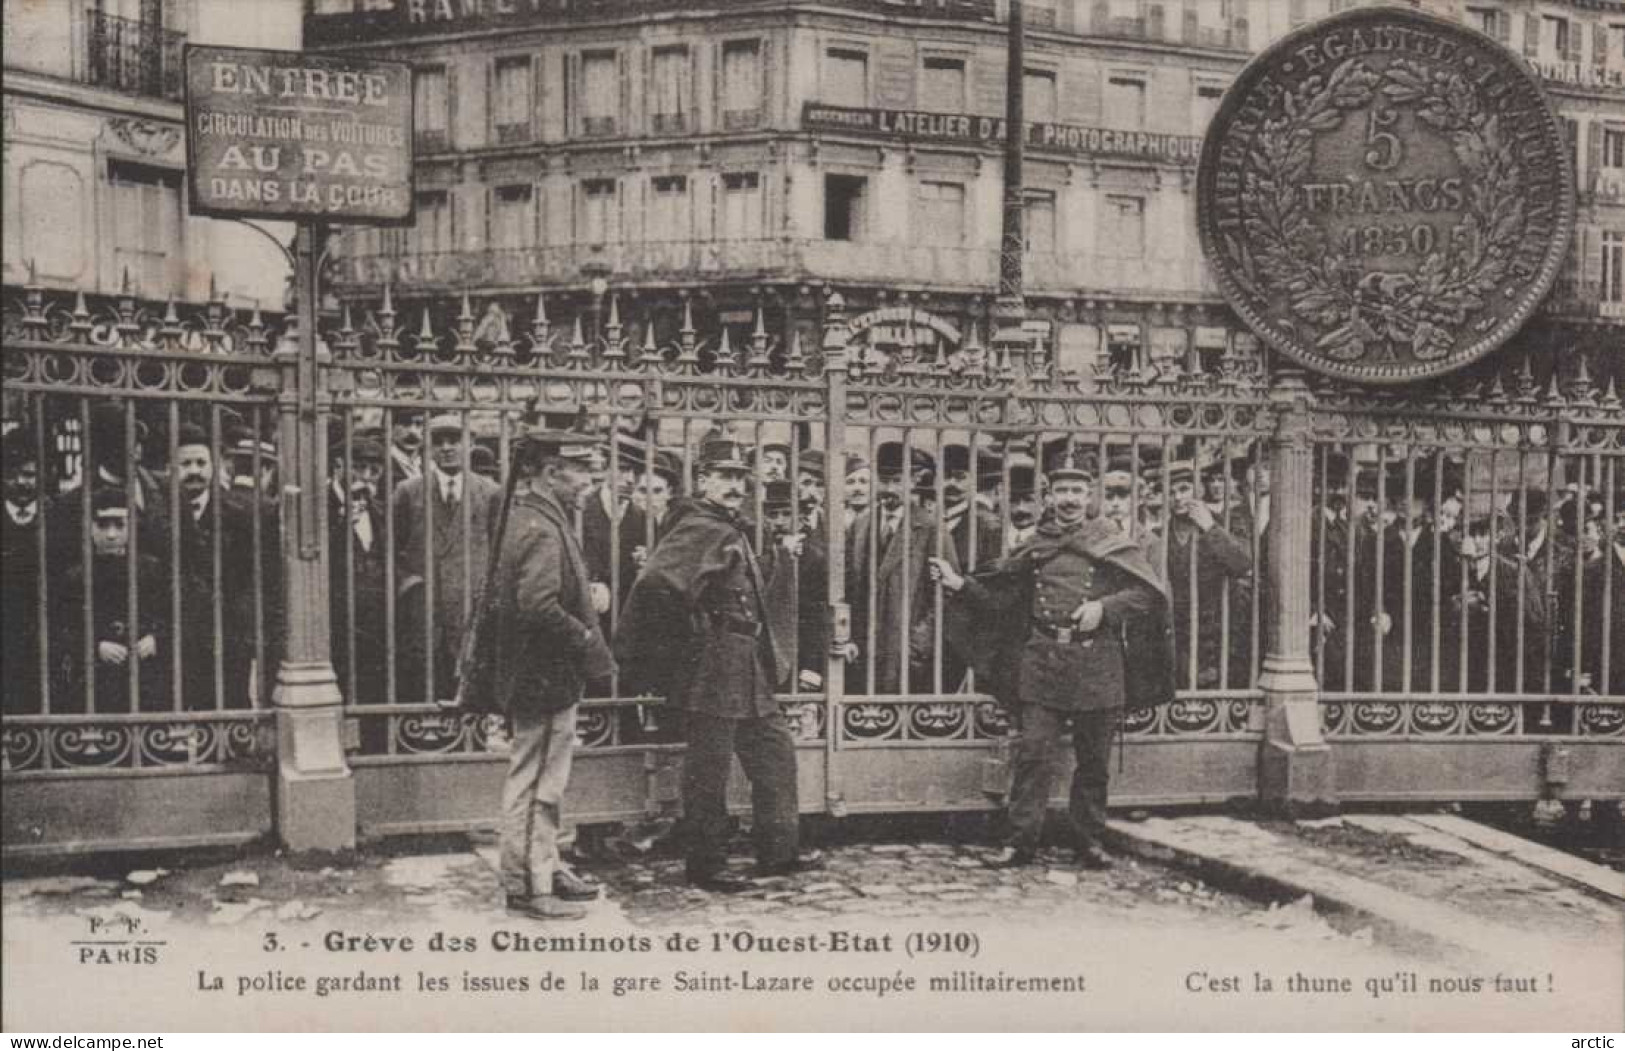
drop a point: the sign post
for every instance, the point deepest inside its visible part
(284, 135)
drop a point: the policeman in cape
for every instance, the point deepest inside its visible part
(1068, 628)
(698, 629)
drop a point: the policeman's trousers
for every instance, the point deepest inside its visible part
(1038, 758)
(532, 800)
(767, 752)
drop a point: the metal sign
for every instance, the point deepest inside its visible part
(1385, 196)
(288, 135)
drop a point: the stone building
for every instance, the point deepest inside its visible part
(743, 154)
(95, 150)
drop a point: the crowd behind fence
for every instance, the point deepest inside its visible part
(142, 563)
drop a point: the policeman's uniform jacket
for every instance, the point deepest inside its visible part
(547, 642)
(696, 627)
(1029, 594)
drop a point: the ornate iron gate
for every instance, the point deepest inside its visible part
(896, 724)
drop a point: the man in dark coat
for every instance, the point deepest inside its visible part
(22, 537)
(1495, 591)
(218, 534)
(698, 630)
(797, 574)
(1068, 628)
(443, 524)
(357, 570)
(118, 644)
(886, 557)
(1202, 558)
(547, 646)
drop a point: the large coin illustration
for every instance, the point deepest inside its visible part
(1385, 196)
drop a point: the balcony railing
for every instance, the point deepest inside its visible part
(1573, 297)
(668, 123)
(681, 262)
(138, 58)
(741, 119)
(598, 126)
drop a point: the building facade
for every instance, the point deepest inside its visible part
(744, 154)
(95, 151)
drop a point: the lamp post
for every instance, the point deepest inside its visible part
(1010, 307)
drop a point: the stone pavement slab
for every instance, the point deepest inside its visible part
(1245, 853)
(1600, 879)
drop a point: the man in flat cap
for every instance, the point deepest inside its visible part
(357, 568)
(810, 494)
(546, 647)
(116, 444)
(1203, 561)
(230, 564)
(773, 465)
(442, 531)
(697, 630)
(887, 550)
(1067, 629)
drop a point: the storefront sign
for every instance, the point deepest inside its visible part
(288, 135)
(960, 128)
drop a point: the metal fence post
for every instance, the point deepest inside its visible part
(835, 353)
(315, 792)
(1295, 769)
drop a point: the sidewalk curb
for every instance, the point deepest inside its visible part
(1392, 915)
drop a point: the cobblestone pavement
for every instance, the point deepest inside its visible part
(1157, 946)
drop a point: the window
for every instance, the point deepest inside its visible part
(843, 207)
(434, 229)
(1038, 222)
(1297, 13)
(940, 214)
(1125, 101)
(667, 218)
(1616, 44)
(942, 84)
(1554, 38)
(1483, 19)
(670, 90)
(1613, 148)
(741, 84)
(846, 78)
(146, 214)
(1204, 105)
(430, 105)
(512, 219)
(741, 215)
(1123, 227)
(600, 214)
(600, 92)
(1038, 95)
(1039, 12)
(512, 100)
(1613, 266)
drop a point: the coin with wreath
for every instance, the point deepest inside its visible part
(1391, 216)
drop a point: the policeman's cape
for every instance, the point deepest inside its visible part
(661, 632)
(991, 633)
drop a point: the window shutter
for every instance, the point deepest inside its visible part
(764, 56)
(1531, 35)
(1593, 152)
(1099, 15)
(1503, 27)
(622, 113)
(1588, 244)
(1190, 25)
(1576, 35)
(1156, 17)
(651, 92)
(453, 140)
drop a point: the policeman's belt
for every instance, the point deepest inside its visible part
(1063, 634)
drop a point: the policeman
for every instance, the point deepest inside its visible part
(547, 647)
(696, 628)
(1064, 630)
